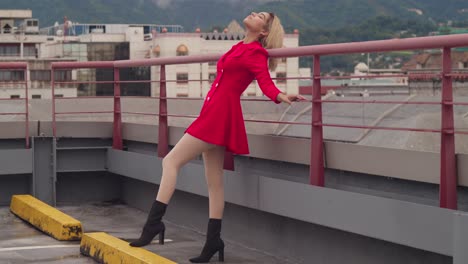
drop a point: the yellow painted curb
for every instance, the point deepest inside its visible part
(105, 248)
(46, 218)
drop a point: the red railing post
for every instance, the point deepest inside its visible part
(117, 125)
(448, 174)
(228, 161)
(163, 135)
(316, 148)
(52, 84)
(27, 106)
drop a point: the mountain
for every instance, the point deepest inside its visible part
(341, 13)
(206, 14)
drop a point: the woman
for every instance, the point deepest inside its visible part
(220, 127)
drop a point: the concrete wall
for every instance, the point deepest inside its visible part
(270, 205)
(298, 241)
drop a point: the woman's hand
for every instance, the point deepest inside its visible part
(289, 98)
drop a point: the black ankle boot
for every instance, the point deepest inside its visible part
(153, 226)
(213, 243)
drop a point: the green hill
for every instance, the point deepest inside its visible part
(209, 13)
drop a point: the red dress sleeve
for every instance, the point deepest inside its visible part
(257, 63)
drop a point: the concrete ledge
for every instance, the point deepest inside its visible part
(46, 218)
(105, 248)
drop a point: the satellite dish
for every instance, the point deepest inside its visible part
(56, 24)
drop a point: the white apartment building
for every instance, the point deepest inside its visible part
(20, 42)
(180, 44)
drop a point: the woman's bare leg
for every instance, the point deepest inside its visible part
(214, 161)
(186, 149)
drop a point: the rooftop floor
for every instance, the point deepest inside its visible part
(22, 243)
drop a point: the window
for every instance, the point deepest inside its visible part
(465, 65)
(9, 50)
(30, 51)
(14, 96)
(181, 94)
(284, 60)
(182, 50)
(182, 78)
(9, 75)
(40, 75)
(36, 96)
(212, 77)
(63, 75)
(58, 95)
(280, 77)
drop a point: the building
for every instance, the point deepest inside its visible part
(361, 69)
(108, 42)
(20, 41)
(421, 67)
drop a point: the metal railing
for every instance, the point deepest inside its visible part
(448, 177)
(18, 66)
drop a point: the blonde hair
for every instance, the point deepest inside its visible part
(274, 39)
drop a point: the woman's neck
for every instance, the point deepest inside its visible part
(250, 37)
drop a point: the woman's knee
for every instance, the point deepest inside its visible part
(168, 163)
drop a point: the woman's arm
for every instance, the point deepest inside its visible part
(257, 63)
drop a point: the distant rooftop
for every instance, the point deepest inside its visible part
(76, 29)
(15, 14)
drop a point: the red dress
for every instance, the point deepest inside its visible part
(221, 121)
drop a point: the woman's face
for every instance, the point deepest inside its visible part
(256, 22)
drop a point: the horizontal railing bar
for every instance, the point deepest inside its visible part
(167, 60)
(140, 113)
(168, 81)
(380, 128)
(431, 42)
(96, 112)
(85, 97)
(277, 122)
(13, 113)
(361, 76)
(376, 102)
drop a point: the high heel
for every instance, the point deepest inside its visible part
(153, 226)
(208, 252)
(213, 243)
(221, 255)
(161, 236)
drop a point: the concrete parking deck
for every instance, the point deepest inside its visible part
(22, 243)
